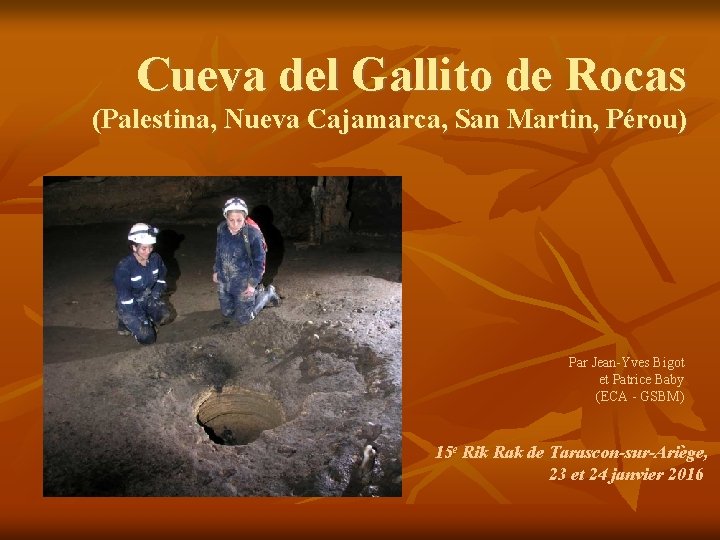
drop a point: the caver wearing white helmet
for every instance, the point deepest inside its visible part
(139, 282)
(240, 264)
(142, 233)
(235, 204)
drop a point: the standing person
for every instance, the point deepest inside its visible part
(240, 264)
(139, 281)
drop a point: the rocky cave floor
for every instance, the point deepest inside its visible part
(290, 402)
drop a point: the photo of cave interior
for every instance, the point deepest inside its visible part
(304, 401)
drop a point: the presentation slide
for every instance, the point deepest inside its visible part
(373, 269)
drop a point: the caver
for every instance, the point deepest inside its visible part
(139, 282)
(240, 264)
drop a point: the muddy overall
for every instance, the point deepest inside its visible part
(239, 263)
(139, 304)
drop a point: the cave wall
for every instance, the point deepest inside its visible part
(99, 199)
(317, 209)
(375, 204)
(330, 196)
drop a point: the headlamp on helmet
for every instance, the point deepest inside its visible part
(235, 204)
(142, 233)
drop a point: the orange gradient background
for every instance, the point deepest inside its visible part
(520, 248)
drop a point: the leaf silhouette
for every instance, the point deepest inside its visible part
(574, 155)
(584, 328)
(253, 149)
(542, 187)
(416, 216)
(19, 397)
(40, 144)
(33, 315)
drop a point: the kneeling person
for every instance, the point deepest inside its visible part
(240, 264)
(139, 281)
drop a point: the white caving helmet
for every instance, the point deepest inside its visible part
(235, 204)
(142, 233)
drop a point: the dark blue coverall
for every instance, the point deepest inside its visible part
(139, 287)
(236, 269)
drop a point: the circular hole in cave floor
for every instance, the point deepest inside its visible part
(239, 416)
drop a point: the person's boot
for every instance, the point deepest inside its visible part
(274, 299)
(268, 296)
(122, 330)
